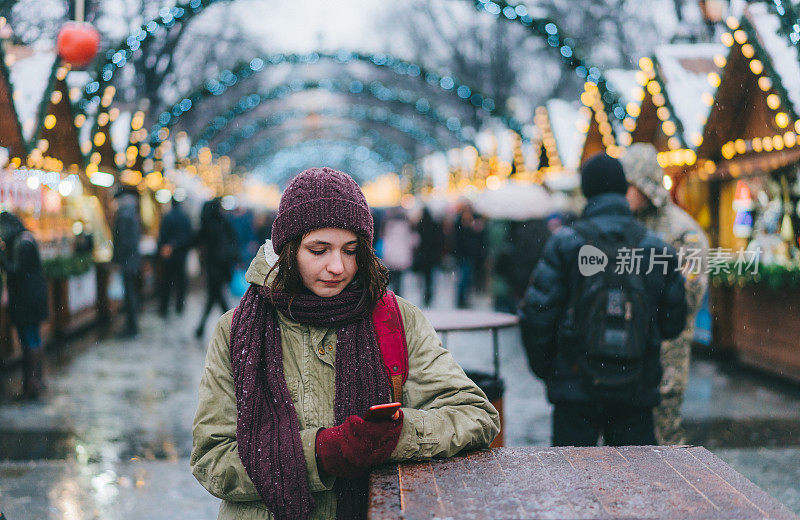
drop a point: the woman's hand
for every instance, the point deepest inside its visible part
(350, 449)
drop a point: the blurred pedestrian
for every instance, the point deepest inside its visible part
(468, 249)
(428, 253)
(592, 334)
(174, 240)
(651, 203)
(219, 254)
(399, 240)
(127, 234)
(290, 373)
(27, 298)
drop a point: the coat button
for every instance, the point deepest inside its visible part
(321, 351)
(330, 348)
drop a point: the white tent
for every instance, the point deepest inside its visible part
(514, 201)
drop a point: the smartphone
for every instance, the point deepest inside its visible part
(383, 412)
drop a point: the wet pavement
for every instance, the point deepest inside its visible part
(111, 439)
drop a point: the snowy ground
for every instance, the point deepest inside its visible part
(112, 439)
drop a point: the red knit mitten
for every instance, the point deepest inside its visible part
(350, 449)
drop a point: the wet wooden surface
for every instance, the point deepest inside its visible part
(644, 482)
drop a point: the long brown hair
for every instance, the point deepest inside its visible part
(372, 275)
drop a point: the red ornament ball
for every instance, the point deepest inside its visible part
(78, 43)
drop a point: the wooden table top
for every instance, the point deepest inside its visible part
(670, 482)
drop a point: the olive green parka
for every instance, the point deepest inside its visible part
(444, 412)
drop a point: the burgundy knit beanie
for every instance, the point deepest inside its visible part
(320, 198)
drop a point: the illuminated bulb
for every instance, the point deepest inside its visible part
(99, 139)
(764, 83)
(629, 124)
(645, 63)
(55, 97)
(748, 51)
(766, 143)
(790, 139)
(707, 99)
(659, 100)
(641, 77)
(102, 119)
(663, 159)
(732, 23)
(653, 87)
(638, 94)
(632, 109)
(727, 39)
(756, 144)
(689, 157)
(740, 36)
(782, 119)
(713, 79)
(756, 66)
(740, 146)
(777, 142)
(673, 143)
(668, 127)
(720, 61)
(797, 126)
(662, 113)
(773, 101)
(49, 121)
(728, 150)
(667, 182)
(697, 139)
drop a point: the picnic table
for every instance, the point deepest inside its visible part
(643, 482)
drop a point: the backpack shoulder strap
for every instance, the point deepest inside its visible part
(391, 336)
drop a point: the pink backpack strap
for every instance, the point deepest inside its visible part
(392, 340)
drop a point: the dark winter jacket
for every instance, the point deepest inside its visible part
(431, 239)
(176, 231)
(127, 234)
(27, 286)
(217, 241)
(543, 309)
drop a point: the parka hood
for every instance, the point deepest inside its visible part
(261, 265)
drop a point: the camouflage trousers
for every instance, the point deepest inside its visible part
(675, 356)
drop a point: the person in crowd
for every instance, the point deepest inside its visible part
(651, 203)
(428, 253)
(219, 253)
(593, 317)
(399, 240)
(174, 241)
(27, 298)
(290, 372)
(468, 249)
(127, 233)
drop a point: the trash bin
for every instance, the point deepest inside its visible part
(494, 388)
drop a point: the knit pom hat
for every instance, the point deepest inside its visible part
(602, 174)
(321, 198)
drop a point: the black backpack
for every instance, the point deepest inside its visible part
(608, 318)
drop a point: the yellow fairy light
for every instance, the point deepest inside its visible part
(137, 121)
(782, 119)
(659, 99)
(645, 63)
(732, 23)
(102, 119)
(43, 145)
(790, 139)
(49, 121)
(153, 180)
(109, 91)
(720, 61)
(728, 150)
(80, 119)
(91, 169)
(740, 36)
(86, 147)
(653, 87)
(587, 98)
(144, 150)
(777, 142)
(55, 97)
(756, 66)
(641, 77)
(756, 144)
(626, 139)
(61, 73)
(662, 113)
(710, 167)
(797, 126)
(740, 146)
(99, 139)
(714, 79)
(697, 139)
(667, 182)
(764, 83)
(727, 39)
(707, 99)
(638, 94)
(773, 101)
(676, 157)
(632, 109)
(673, 143)
(689, 157)
(766, 143)
(748, 51)
(95, 158)
(608, 140)
(668, 127)
(663, 159)
(629, 124)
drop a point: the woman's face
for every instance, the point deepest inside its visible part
(327, 260)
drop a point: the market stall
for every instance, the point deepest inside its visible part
(746, 175)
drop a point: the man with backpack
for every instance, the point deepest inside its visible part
(602, 298)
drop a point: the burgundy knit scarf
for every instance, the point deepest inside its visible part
(267, 427)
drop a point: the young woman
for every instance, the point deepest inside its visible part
(278, 431)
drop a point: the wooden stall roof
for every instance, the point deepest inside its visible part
(755, 108)
(678, 95)
(10, 129)
(643, 482)
(62, 135)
